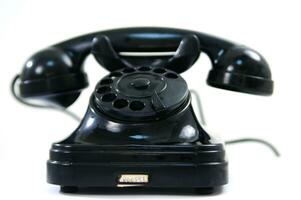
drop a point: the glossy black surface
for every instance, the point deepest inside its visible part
(50, 75)
(141, 95)
(187, 51)
(140, 122)
(99, 128)
(234, 67)
(241, 69)
(78, 166)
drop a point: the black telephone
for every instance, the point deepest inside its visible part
(140, 129)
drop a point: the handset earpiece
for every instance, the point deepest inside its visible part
(50, 75)
(241, 69)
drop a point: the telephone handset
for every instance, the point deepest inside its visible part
(56, 73)
(140, 129)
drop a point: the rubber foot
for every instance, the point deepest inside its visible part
(69, 189)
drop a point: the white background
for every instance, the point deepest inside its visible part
(270, 27)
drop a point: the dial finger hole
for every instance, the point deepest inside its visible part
(159, 70)
(136, 105)
(128, 70)
(171, 75)
(120, 103)
(103, 89)
(108, 97)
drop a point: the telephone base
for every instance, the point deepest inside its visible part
(122, 167)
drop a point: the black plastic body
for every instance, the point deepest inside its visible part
(168, 166)
(97, 156)
(140, 129)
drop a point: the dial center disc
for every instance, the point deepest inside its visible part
(140, 83)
